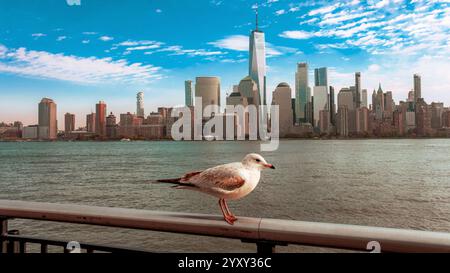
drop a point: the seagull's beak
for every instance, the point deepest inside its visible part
(270, 166)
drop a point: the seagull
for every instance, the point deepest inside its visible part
(227, 182)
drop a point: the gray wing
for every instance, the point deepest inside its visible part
(224, 177)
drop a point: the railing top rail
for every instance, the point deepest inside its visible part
(249, 229)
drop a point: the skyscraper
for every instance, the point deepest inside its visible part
(111, 126)
(189, 99)
(321, 97)
(417, 87)
(257, 61)
(321, 102)
(249, 90)
(69, 123)
(100, 119)
(321, 77)
(140, 104)
(90, 123)
(357, 95)
(48, 125)
(332, 107)
(208, 88)
(282, 96)
(364, 102)
(302, 92)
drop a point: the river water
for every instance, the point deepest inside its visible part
(390, 183)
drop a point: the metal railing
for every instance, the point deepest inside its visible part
(265, 233)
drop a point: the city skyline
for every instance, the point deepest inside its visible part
(293, 34)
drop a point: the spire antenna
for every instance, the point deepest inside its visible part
(256, 17)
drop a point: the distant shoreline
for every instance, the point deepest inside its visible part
(282, 139)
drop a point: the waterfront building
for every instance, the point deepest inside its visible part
(100, 119)
(188, 95)
(69, 123)
(345, 100)
(248, 89)
(410, 116)
(90, 123)
(342, 121)
(257, 61)
(129, 124)
(364, 102)
(30, 132)
(48, 124)
(423, 118)
(208, 88)
(437, 108)
(332, 107)
(140, 104)
(282, 96)
(362, 121)
(235, 98)
(321, 102)
(446, 118)
(388, 105)
(378, 103)
(111, 126)
(302, 93)
(324, 121)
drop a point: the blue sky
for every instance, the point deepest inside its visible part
(79, 52)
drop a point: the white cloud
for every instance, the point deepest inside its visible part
(92, 70)
(323, 10)
(38, 35)
(106, 38)
(234, 42)
(61, 38)
(158, 10)
(73, 2)
(85, 41)
(280, 12)
(90, 33)
(241, 43)
(146, 47)
(296, 34)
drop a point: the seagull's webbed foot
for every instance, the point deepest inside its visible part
(230, 220)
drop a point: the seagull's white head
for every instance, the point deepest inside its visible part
(256, 161)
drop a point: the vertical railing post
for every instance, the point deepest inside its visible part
(3, 233)
(13, 246)
(265, 248)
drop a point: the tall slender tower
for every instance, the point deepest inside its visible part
(257, 64)
(417, 87)
(189, 99)
(140, 104)
(357, 95)
(302, 92)
(332, 107)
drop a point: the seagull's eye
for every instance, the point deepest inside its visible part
(257, 160)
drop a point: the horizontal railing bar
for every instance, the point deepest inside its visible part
(195, 224)
(51, 242)
(247, 229)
